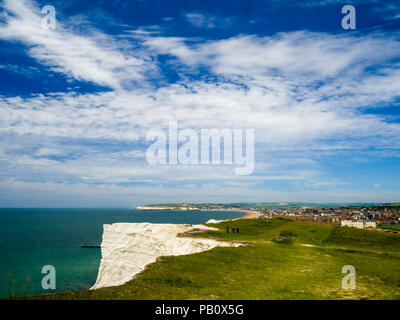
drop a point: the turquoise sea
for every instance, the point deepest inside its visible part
(32, 238)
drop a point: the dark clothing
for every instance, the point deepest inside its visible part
(233, 230)
(237, 230)
(227, 229)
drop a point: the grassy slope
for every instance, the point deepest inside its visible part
(394, 227)
(270, 270)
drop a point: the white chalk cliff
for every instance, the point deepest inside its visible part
(127, 248)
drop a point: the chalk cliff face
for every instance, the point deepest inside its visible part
(128, 247)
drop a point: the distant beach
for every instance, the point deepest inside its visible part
(250, 214)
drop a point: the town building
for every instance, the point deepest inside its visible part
(358, 224)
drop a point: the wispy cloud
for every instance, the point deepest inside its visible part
(308, 95)
(207, 21)
(98, 58)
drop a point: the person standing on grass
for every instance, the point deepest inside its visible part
(237, 230)
(227, 229)
(233, 229)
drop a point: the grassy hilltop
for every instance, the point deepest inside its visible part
(285, 259)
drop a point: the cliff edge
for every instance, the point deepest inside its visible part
(128, 247)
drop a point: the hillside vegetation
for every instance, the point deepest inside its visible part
(307, 264)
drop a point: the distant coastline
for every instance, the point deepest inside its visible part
(249, 214)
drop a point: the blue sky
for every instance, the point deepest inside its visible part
(76, 102)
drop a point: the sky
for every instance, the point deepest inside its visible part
(77, 101)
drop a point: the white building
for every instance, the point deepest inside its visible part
(358, 224)
(327, 214)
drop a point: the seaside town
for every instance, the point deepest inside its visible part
(373, 217)
(379, 218)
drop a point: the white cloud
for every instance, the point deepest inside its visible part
(54, 194)
(48, 152)
(304, 53)
(98, 58)
(206, 21)
(304, 93)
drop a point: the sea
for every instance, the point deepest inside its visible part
(33, 238)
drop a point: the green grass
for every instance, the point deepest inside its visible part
(308, 267)
(394, 227)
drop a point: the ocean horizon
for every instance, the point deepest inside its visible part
(31, 238)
